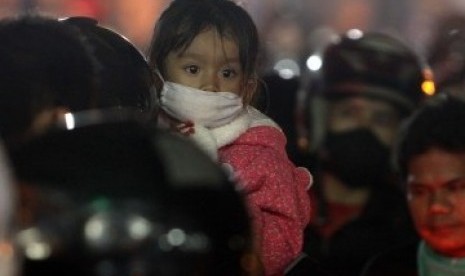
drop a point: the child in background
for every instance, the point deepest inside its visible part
(206, 53)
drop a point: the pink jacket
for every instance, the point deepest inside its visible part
(275, 190)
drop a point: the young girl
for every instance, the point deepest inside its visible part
(206, 52)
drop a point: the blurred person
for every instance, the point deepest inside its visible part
(206, 53)
(125, 80)
(122, 198)
(430, 157)
(370, 82)
(46, 70)
(446, 55)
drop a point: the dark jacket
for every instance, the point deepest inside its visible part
(383, 222)
(398, 261)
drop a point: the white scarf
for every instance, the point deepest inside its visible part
(219, 117)
(208, 109)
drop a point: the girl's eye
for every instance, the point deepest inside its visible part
(192, 69)
(228, 73)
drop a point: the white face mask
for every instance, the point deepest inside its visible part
(209, 109)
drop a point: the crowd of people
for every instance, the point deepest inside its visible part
(186, 161)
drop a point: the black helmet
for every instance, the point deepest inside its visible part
(372, 64)
(124, 76)
(125, 199)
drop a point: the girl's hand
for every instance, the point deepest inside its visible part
(186, 128)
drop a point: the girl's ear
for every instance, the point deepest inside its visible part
(158, 80)
(250, 89)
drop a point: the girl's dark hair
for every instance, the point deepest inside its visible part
(183, 20)
(439, 124)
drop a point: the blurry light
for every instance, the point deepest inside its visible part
(314, 63)
(69, 120)
(95, 228)
(176, 237)
(37, 251)
(139, 227)
(32, 241)
(428, 87)
(286, 74)
(29, 235)
(354, 34)
(287, 68)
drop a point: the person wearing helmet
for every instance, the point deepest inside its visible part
(370, 83)
(121, 198)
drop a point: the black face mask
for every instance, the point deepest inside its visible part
(357, 157)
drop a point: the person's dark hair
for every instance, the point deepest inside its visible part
(183, 20)
(125, 79)
(439, 123)
(43, 64)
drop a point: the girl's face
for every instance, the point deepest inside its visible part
(211, 63)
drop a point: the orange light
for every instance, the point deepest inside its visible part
(428, 87)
